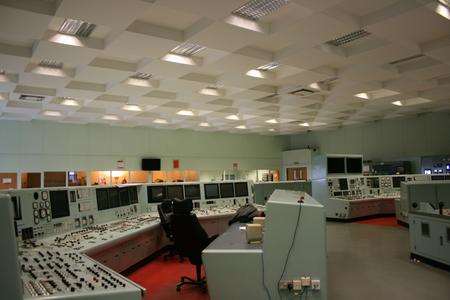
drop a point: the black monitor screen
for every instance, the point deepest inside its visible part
(102, 199)
(156, 194)
(396, 181)
(211, 191)
(151, 164)
(60, 204)
(124, 197)
(226, 190)
(336, 165)
(113, 195)
(354, 165)
(241, 189)
(133, 195)
(175, 191)
(192, 191)
(343, 184)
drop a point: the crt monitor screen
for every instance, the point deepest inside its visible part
(397, 181)
(192, 191)
(175, 191)
(354, 165)
(113, 195)
(211, 190)
(102, 199)
(151, 164)
(133, 195)
(60, 204)
(124, 197)
(241, 189)
(343, 184)
(156, 194)
(226, 190)
(336, 165)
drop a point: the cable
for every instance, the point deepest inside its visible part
(290, 248)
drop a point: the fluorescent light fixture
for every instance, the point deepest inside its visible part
(232, 117)
(245, 23)
(271, 130)
(78, 28)
(256, 73)
(160, 121)
(348, 38)
(315, 85)
(185, 113)
(241, 127)
(142, 76)
(179, 59)
(204, 124)
(131, 107)
(187, 49)
(256, 9)
(50, 63)
(31, 98)
(443, 9)
(269, 67)
(397, 103)
(49, 67)
(70, 102)
(52, 113)
(65, 39)
(110, 117)
(305, 124)
(210, 91)
(363, 96)
(272, 121)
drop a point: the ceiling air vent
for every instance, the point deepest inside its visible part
(256, 9)
(348, 38)
(78, 28)
(406, 59)
(31, 98)
(50, 63)
(142, 76)
(302, 92)
(187, 49)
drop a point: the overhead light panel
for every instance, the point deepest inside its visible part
(443, 8)
(70, 102)
(131, 107)
(272, 121)
(271, 129)
(232, 117)
(52, 113)
(241, 127)
(160, 121)
(210, 91)
(204, 124)
(50, 63)
(78, 28)
(348, 38)
(189, 113)
(363, 96)
(269, 67)
(110, 117)
(256, 9)
(397, 103)
(305, 124)
(187, 49)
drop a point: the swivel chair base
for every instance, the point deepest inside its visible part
(199, 281)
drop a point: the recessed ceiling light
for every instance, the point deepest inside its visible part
(256, 73)
(179, 59)
(210, 91)
(77, 27)
(160, 121)
(69, 102)
(305, 124)
(204, 124)
(363, 96)
(50, 63)
(268, 67)
(443, 9)
(348, 38)
(52, 113)
(142, 76)
(232, 117)
(185, 113)
(241, 127)
(272, 121)
(315, 85)
(271, 129)
(397, 103)
(256, 9)
(110, 117)
(187, 49)
(131, 107)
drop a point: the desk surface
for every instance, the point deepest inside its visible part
(233, 239)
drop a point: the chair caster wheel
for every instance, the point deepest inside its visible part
(178, 288)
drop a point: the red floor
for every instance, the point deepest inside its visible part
(160, 277)
(381, 221)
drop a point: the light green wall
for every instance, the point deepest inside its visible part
(401, 138)
(40, 145)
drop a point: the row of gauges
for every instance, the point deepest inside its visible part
(41, 210)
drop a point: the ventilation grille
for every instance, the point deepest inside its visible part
(302, 92)
(31, 98)
(406, 59)
(77, 27)
(50, 63)
(142, 76)
(269, 66)
(187, 49)
(348, 38)
(256, 9)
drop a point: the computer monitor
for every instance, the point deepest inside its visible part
(354, 165)
(397, 181)
(226, 190)
(113, 195)
(241, 189)
(192, 191)
(59, 201)
(124, 196)
(151, 164)
(335, 165)
(211, 190)
(133, 195)
(156, 193)
(343, 184)
(175, 191)
(102, 199)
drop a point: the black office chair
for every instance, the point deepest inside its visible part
(190, 240)
(165, 212)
